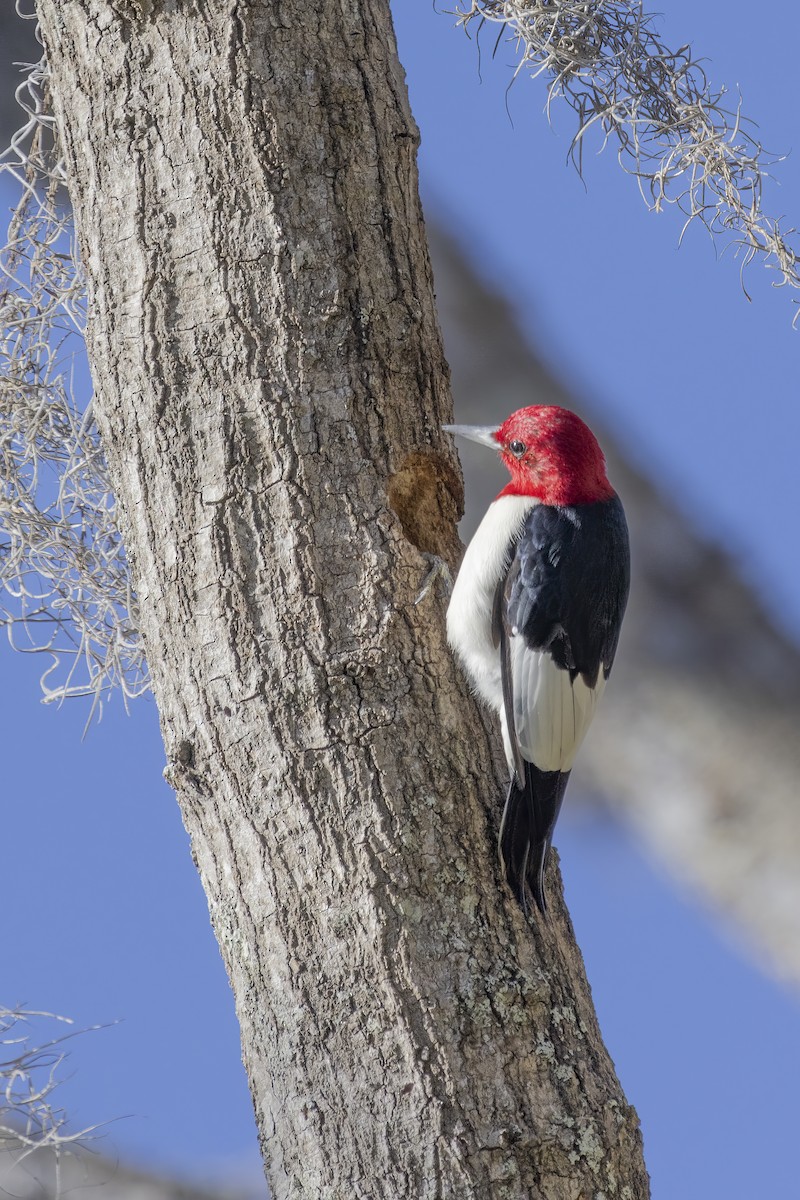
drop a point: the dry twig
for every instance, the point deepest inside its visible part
(30, 1123)
(64, 582)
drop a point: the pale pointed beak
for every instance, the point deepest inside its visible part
(485, 434)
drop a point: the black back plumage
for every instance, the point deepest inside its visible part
(567, 584)
(565, 593)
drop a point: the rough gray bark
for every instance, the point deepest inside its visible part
(270, 387)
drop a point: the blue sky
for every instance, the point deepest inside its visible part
(108, 919)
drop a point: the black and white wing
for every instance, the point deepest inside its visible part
(557, 618)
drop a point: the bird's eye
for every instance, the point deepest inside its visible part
(517, 447)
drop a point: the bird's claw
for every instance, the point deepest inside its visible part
(438, 569)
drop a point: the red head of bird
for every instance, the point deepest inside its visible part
(550, 453)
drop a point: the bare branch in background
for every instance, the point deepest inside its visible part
(64, 586)
(673, 132)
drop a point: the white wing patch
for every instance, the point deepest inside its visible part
(551, 712)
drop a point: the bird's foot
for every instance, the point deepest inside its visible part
(438, 569)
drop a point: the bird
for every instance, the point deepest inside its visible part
(535, 616)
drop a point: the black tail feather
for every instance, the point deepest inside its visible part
(526, 831)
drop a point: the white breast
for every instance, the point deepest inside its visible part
(469, 616)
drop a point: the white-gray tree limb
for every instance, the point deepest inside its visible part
(269, 389)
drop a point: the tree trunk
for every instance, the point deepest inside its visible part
(270, 389)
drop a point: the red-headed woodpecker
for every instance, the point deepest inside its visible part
(535, 615)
